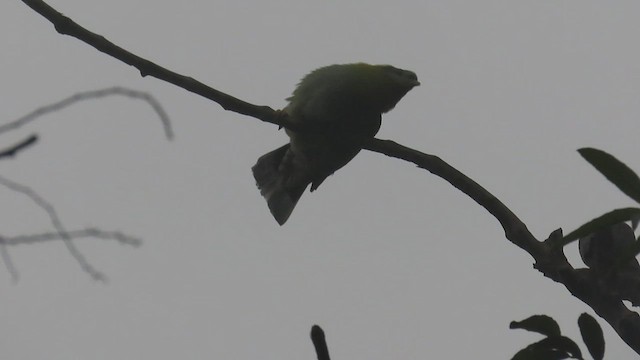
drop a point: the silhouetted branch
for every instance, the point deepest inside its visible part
(66, 26)
(549, 258)
(14, 149)
(515, 230)
(73, 234)
(94, 94)
(319, 342)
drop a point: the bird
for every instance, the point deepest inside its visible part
(335, 109)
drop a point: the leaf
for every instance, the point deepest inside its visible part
(614, 170)
(603, 221)
(592, 335)
(538, 353)
(542, 324)
(550, 348)
(562, 343)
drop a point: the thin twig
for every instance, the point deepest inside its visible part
(14, 149)
(93, 94)
(515, 230)
(8, 262)
(57, 225)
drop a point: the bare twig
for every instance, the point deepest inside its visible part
(66, 26)
(14, 149)
(50, 236)
(73, 234)
(61, 233)
(94, 94)
(319, 342)
(8, 262)
(515, 230)
(549, 259)
(57, 224)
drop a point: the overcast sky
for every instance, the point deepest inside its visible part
(390, 260)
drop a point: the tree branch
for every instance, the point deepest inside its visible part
(96, 233)
(66, 26)
(549, 258)
(8, 262)
(57, 224)
(548, 255)
(16, 148)
(93, 94)
(91, 232)
(515, 230)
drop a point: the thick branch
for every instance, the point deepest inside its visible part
(548, 256)
(588, 286)
(550, 259)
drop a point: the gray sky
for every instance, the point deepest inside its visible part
(391, 261)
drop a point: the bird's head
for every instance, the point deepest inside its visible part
(384, 85)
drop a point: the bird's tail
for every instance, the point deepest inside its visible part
(274, 179)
